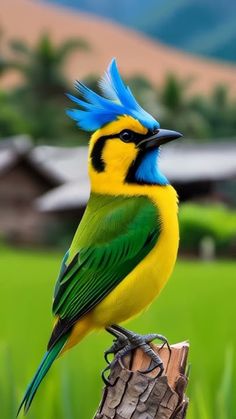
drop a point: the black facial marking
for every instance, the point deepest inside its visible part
(96, 154)
(125, 135)
(130, 177)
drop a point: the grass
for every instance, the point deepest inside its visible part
(198, 304)
(210, 220)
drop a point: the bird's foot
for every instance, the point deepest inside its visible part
(119, 343)
(127, 341)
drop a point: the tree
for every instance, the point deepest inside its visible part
(219, 109)
(5, 62)
(178, 110)
(42, 66)
(42, 94)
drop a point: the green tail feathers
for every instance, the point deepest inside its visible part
(42, 370)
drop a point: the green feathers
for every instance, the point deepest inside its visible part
(43, 368)
(115, 234)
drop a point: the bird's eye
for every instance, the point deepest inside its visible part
(126, 136)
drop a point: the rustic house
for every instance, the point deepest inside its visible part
(197, 171)
(27, 173)
(22, 180)
(44, 189)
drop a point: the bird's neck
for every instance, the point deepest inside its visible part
(164, 198)
(116, 179)
(146, 169)
(105, 184)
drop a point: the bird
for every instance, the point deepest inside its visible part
(126, 244)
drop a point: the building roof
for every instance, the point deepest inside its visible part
(69, 196)
(66, 163)
(11, 149)
(193, 162)
(182, 162)
(57, 164)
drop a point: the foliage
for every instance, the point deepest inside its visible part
(219, 112)
(42, 66)
(202, 117)
(40, 100)
(5, 63)
(37, 105)
(200, 221)
(178, 111)
(11, 120)
(73, 386)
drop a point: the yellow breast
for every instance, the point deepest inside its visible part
(145, 282)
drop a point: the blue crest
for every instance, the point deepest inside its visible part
(117, 100)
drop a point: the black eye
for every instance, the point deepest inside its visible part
(127, 135)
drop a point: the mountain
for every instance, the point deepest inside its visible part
(202, 27)
(136, 53)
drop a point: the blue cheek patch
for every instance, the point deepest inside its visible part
(148, 171)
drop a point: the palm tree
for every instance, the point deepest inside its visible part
(5, 63)
(42, 66)
(41, 97)
(179, 109)
(218, 109)
(173, 95)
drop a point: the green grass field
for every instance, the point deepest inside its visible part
(197, 304)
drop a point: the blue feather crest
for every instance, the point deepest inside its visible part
(96, 110)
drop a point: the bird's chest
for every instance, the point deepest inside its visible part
(147, 279)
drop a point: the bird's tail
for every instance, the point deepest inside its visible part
(42, 370)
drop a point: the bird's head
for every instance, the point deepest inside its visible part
(124, 147)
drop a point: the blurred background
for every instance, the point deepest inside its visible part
(179, 58)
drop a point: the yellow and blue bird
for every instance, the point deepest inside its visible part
(126, 244)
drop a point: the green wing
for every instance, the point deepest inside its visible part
(114, 235)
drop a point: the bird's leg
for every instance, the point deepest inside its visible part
(119, 348)
(127, 341)
(120, 342)
(143, 341)
(148, 338)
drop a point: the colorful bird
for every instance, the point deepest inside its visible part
(125, 247)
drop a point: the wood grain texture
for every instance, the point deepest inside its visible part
(134, 395)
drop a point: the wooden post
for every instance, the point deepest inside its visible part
(144, 396)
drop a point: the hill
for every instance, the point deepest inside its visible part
(136, 53)
(199, 26)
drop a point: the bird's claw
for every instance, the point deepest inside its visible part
(118, 344)
(127, 341)
(152, 367)
(104, 378)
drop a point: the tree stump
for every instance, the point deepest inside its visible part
(136, 395)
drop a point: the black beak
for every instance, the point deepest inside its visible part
(161, 136)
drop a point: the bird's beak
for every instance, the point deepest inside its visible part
(161, 136)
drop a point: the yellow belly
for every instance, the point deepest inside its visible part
(145, 282)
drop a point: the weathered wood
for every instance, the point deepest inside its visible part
(144, 396)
